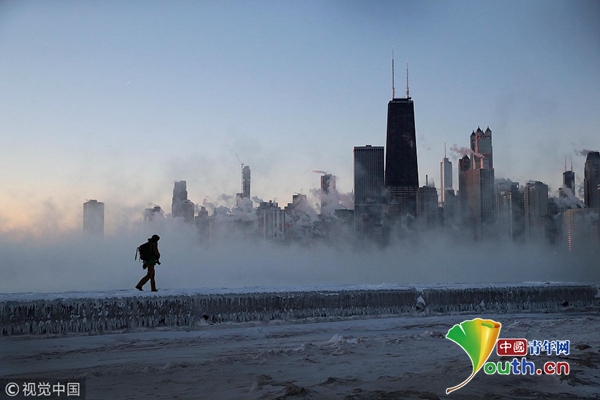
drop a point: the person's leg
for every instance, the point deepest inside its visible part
(152, 273)
(145, 279)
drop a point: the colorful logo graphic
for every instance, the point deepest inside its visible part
(477, 337)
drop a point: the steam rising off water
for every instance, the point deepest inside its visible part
(72, 262)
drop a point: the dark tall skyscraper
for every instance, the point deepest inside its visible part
(569, 180)
(591, 180)
(368, 187)
(401, 170)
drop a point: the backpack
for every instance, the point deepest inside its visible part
(145, 251)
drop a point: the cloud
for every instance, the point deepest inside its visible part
(583, 152)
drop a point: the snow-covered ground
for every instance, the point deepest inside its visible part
(327, 342)
(394, 357)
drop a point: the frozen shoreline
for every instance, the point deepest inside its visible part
(126, 310)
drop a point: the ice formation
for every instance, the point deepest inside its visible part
(97, 313)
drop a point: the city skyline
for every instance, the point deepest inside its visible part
(98, 105)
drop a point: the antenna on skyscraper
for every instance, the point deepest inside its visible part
(407, 95)
(565, 164)
(571, 163)
(393, 84)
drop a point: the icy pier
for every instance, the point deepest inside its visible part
(105, 312)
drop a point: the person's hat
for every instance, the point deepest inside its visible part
(154, 238)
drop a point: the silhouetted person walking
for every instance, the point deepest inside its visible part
(150, 256)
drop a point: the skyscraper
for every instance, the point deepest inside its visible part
(478, 199)
(481, 144)
(427, 204)
(511, 211)
(535, 201)
(271, 221)
(245, 181)
(581, 229)
(188, 209)
(401, 170)
(93, 217)
(446, 175)
(299, 203)
(152, 214)
(368, 187)
(591, 180)
(327, 188)
(242, 199)
(180, 196)
(327, 183)
(476, 184)
(202, 222)
(569, 178)
(464, 165)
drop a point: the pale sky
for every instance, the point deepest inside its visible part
(116, 100)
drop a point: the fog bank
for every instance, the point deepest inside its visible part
(72, 262)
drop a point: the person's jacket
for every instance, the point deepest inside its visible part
(155, 250)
